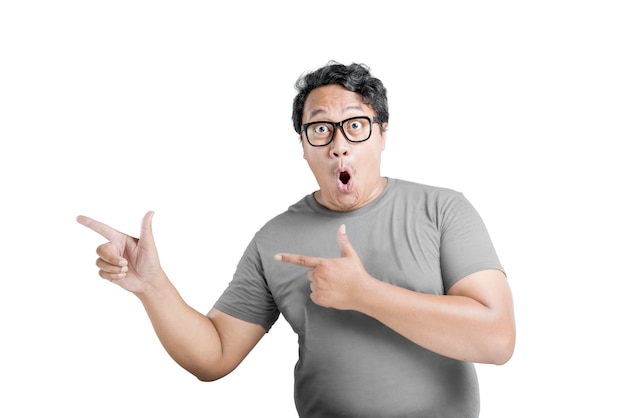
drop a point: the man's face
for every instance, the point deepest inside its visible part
(348, 173)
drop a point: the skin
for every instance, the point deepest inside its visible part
(208, 346)
(473, 322)
(362, 160)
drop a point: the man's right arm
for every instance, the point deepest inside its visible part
(208, 346)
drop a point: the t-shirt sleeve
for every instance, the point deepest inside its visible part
(466, 246)
(248, 296)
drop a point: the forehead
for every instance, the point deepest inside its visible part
(334, 100)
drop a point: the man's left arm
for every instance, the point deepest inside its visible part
(473, 322)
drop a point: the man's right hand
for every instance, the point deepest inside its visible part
(209, 346)
(132, 263)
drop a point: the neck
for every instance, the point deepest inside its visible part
(348, 203)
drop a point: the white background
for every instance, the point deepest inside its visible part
(111, 109)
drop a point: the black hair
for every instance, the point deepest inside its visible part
(353, 77)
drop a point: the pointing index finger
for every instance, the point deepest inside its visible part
(298, 260)
(102, 229)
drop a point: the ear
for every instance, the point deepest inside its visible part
(383, 136)
(303, 150)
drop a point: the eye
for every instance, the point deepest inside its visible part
(355, 125)
(321, 129)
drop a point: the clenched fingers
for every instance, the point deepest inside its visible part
(109, 271)
(111, 265)
(110, 254)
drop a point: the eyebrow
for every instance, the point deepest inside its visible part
(317, 111)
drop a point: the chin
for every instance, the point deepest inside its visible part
(345, 202)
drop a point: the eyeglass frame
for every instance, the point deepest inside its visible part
(305, 126)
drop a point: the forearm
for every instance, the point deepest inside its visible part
(454, 326)
(188, 336)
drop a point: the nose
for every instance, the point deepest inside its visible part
(340, 146)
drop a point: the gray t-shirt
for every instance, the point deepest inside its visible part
(414, 236)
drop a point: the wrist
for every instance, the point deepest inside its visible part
(156, 288)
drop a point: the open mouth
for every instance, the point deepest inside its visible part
(344, 177)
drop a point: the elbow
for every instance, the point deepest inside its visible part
(502, 340)
(205, 370)
(502, 357)
(205, 375)
(206, 378)
(503, 348)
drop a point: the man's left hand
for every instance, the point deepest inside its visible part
(335, 282)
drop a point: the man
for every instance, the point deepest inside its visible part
(394, 288)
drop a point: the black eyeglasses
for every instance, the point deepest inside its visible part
(357, 129)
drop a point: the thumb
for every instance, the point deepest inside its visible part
(146, 236)
(344, 242)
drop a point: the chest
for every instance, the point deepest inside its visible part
(403, 254)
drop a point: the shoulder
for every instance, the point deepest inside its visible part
(407, 185)
(424, 192)
(288, 219)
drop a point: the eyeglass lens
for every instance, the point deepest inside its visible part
(356, 129)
